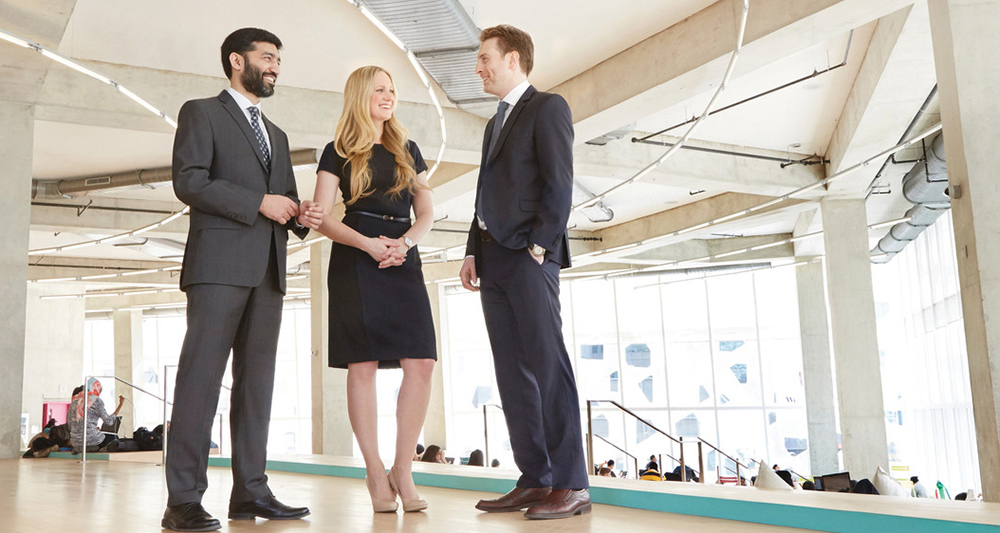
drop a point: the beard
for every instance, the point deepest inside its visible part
(253, 80)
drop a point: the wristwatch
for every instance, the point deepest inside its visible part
(536, 250)
(408, 242)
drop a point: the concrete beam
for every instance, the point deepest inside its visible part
(308, 116)
(698, 170)
(669, 221)
(696, 248)
(689, 58)
(49, 267)
(22, 71)
(892, 82)
(106, 215)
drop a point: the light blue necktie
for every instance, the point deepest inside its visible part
(494, 136)
(497, 126)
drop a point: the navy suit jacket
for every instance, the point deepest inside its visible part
(219, 170)
(527, 182)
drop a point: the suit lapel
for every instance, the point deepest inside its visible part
(509, 123)
(243, 124)
(276, 152)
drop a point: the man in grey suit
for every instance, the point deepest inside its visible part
(232, 166)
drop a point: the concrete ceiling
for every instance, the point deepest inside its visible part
(650, 62)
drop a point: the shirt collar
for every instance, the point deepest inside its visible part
(516, 93)
(241, 100)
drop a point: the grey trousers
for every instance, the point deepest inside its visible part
(220, 318)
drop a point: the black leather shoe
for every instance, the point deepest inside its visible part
(189, 517)
(269, 508)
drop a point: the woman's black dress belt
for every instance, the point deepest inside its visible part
(383, 217)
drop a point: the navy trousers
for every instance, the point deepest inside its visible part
(540, 403)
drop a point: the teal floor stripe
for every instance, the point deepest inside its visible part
(94, 456)
(829, 520)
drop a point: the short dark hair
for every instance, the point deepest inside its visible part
(510, 39)
(242, 41)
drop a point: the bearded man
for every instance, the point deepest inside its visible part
(231, 165)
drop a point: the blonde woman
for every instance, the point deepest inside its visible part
(380, 315)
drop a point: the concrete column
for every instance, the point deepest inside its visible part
(855, 340)
(817, 369)
(16, 138)
(53, 348)
(331, 427)
(965, 45)
(435, 425)
(128, 349)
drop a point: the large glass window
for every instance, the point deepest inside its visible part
(925, 374)
(694, 358)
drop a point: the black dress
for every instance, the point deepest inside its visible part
(377, 314)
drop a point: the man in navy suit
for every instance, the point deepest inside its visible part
(232, 166)
(517, 245)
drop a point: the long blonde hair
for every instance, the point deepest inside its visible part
(355, 138)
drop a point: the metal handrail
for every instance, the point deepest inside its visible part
(701, 464)
(166, 402)
(486, 432)
(635, 460)
(590, 434)
(86, 412)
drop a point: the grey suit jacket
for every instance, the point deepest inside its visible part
(219, 170)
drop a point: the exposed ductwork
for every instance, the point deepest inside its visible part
(925, 185)
(135, 179)
(443, 38)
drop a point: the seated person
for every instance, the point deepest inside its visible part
(688, 471)
(652, 472)
(477, 458)
(605, 472)
(433, 454)
(95, 414)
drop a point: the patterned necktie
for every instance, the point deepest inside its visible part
(255, 123)
(497, 126)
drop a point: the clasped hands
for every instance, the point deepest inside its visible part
(387, 251)
(281, 209)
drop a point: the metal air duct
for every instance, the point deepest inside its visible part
(144, 178)
(443, 38)
(925, 185)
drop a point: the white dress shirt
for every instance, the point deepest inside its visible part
(245, 105)
(512, 97)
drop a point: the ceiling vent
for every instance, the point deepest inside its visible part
(444, 40)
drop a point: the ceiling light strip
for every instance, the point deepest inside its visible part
(105, 240)
(721, 274)
(79, 67)
(694, 126)
(83, 69)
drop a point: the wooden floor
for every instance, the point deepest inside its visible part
(65, 495)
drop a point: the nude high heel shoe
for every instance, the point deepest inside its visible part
(409, 505)
(381, 506)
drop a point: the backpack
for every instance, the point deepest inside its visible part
(149, 440)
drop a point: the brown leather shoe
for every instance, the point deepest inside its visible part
(561, 503)
(515, 500)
